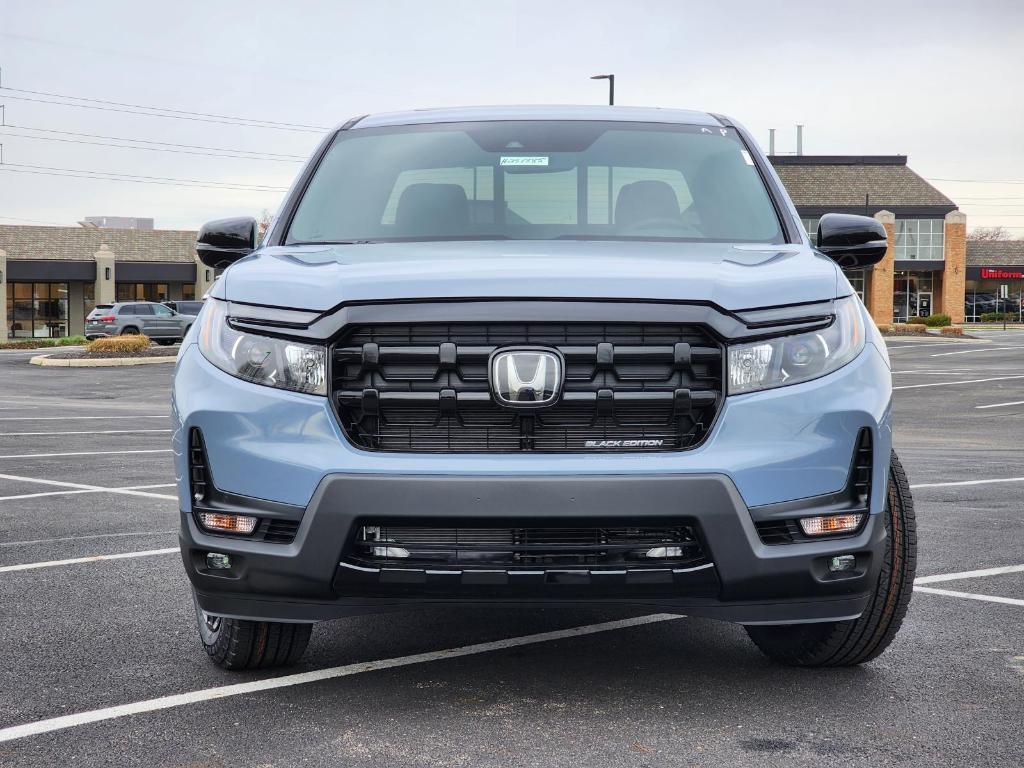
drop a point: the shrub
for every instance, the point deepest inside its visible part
(885, 328)
(909, 328)
(71, 341)
(937, 321)
(952, 330)
(998, 317)
(124, 345)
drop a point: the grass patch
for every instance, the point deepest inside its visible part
(121, 345)
(65, 341)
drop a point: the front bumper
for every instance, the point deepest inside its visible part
(792, 444)
(747, 581)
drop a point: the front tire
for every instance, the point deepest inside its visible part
(847, 643)
(240, 644)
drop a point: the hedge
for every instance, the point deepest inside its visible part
(998, 317)
(937, 321)
(952, 330)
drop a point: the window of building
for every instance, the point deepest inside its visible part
(811, 228)
(188, 291)
(88, 298)
(142, 292)
(37, 310)
(912, 295)
(920, 239)
(982, 297)
(858, 280)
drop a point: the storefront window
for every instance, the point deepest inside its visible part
(920, 239)
(811, 228)
(858, 280)
(188, 291)
(912, 295)
(37, 310)
(142, 292)
(981, 297)
(88, 298)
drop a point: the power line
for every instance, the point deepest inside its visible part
(151, 149)
(32, 221)
(172, 117)
(184, 112)
(232, 150)
(158, 180)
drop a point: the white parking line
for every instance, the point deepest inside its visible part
(969, 351)
(90, 559)
(950, 383)
(85, 432)
(302, 678)
(81, 453)
(999, 571)
(71, 418)
(970, 596)
(83, 486)
(999, 405)
(85, 490)
(956, 483)
(123, 534)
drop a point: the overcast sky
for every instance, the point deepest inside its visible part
(938, 81)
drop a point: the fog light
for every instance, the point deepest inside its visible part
(217, 561)
(215, 521)
(842, 563)
(825, 524)
(658, 552)
(390, 552)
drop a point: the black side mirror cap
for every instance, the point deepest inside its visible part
(852, 241)
(223, 242)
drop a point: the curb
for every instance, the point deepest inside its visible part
(101, 362)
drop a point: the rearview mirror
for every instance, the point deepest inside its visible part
(223, 242)
(853, 242)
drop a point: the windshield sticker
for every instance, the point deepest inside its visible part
(524, 160)
(746, 157)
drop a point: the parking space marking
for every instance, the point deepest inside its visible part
(85, 432)
(85, 490)
(72, 418)
(329, 673)
(90, 559)
(970, 596)
(950, 383)
(969, 351)
(979, 574)
(956, 483)
(83, 486)
(999, 405)
(81, 453)
(121, 535)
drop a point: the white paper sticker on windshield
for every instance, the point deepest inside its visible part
(746, 157)
(524, 160)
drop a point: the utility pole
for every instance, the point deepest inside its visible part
(611, 86)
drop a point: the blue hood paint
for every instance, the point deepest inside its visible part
(732, 276)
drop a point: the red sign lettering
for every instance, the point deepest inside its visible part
(1000, 274)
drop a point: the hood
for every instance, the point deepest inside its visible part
(733, 277)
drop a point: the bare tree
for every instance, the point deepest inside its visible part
(989, 234)
(263, 224)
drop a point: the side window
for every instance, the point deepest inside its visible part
(161, 311)
(126, 309)
(143, 309)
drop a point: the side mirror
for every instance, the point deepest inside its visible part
(223, 242)
(853, 242)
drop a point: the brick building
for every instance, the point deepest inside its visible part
(52, 277)
(925, 270)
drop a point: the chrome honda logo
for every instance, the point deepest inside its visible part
(526, 378)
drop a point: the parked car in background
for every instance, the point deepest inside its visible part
(162, 324)
(185, 307)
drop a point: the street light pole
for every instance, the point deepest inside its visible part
(611, 86)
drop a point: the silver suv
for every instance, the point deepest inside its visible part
(160, 323)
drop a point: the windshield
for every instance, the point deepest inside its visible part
(536, 180)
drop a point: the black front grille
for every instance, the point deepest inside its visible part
(539, 547)
(629, 386)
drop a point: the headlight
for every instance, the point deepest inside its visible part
(802, 357)
(261, 359)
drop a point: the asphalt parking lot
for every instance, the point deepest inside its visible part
(94, 649)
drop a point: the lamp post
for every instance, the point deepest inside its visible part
(611, 86)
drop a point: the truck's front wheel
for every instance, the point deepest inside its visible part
(241, 644)
(845, 643)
